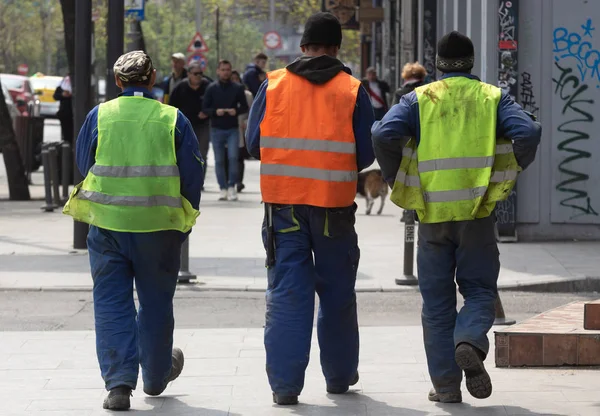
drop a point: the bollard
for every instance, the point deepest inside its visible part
(49, 207)
(66, 169)
(500, 316)
(53, 156)
(184, 269)
(409, 278)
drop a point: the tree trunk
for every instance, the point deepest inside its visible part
(18, 186)
(68, 11)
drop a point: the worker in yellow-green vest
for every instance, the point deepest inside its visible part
(141, 194)
(450, 150)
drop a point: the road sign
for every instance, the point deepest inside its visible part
(272, 40)
(135, 8)
(199, 58)
(23, 69)
(197, 45)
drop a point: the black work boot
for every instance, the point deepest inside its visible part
(470, 360)
(342, 389)
(118, 398)
(176, 369)
(434, 396)
(284, 400)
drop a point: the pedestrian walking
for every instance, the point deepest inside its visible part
(243, 122)
(413, 76)
(179, 74)
(378, 91)
(141, 193)
(468, 143)
(223, 102)
(310, 127)
(64, 95)
(188, 96)
(255, 73)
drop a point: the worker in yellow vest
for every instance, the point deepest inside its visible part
(468, 142)
(141, 194)
(310, 127)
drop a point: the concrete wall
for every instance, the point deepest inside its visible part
(558, 79)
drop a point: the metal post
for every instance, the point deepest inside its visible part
(421, 29)
(54, 176)
(115, 27)
(198, 15)
(82, 102)
(409, 278)
(501, 318)
(49, 207)
(184, 269)
(66, 169)
(272, 26)
(218, 36)
(397, 59)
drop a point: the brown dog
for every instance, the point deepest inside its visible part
(372, 186)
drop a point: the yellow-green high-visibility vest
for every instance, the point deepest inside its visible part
(134, 185)
(459, 170)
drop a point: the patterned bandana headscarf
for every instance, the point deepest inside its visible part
(134, 67)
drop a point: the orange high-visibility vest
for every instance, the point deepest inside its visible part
(307, 145)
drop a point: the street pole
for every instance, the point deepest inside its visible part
(81, 90)
(115, 28)
(218, 36)
(133, 35)
(272, 28)
(198, 16)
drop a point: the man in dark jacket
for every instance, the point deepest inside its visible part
(188, 96)
(179, 73)
(63, 94)
(378, 91)
(223, 102)
(255, 73)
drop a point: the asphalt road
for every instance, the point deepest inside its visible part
(35, 311)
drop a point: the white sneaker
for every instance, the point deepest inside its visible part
(223, 195)
(232, 194)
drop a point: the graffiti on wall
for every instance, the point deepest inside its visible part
(507, 47)
(429, 37)
(575, 76)
(527, 97)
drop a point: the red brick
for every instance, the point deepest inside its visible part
(591, 315)
(526, 350)
(589, 350)
(560, 350)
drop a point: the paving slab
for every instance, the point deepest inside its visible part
(392, 381)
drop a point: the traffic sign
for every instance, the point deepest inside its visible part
(135, 8)
(197, 45)
(23, 69)
(199, 58)
(272, 40)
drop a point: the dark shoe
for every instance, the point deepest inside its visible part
(434, 396)
(284, 400)
(342, 389)
(118, 398)
(176, 369)
(240, 187)
(470, 360)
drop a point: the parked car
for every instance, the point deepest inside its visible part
(44, 87)
(21, 93)
(12, 108)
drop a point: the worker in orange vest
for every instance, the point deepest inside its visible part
(309, 126)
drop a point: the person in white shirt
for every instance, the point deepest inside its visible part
(378, 91)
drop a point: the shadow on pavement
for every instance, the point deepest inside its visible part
(463, 409)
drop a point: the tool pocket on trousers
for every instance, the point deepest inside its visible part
(339, 222)
(284, 220)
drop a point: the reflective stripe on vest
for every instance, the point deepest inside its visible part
(134, 185)
(134, 171)
(307, 148)
(309, 173)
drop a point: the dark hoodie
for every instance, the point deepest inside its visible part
(251, 77)
(319, 70)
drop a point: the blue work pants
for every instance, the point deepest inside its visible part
(316, 250)
(126, 340)
(225, 144)
(468, 251)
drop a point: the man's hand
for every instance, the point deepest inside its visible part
(202, 116)
(220, 112)
(231, 111)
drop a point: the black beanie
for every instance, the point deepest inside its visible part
(322, 29)
(455, 52)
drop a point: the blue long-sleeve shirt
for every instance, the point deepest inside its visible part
(362, 120)
(189, 160)
(402, 121)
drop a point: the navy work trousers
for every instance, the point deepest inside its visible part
(301, 232)
(126, 340)
(468, 251)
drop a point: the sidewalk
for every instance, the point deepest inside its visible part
(56, 373)
(226, 251)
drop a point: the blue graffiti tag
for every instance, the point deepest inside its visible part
(570, 44)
